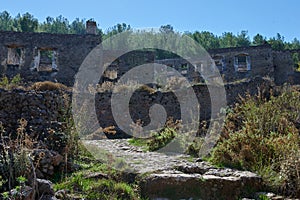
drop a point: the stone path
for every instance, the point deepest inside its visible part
(175, 176)
(135, 158)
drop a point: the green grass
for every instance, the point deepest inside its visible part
(139, 142)
(156, 141)
(94, 188)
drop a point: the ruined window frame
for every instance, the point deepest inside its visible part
(220, 59)
(17, 61)
(38, 57)
(242, 66)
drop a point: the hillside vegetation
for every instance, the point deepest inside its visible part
(262, 135)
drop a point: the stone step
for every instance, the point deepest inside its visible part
(175, 176)
(173, 184)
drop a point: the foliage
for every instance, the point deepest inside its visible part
(243, 39)
(119, 28)
(296, 60)
(166, 29)
(159, 138)
(109, 187)
(277, 42)
(6, 21)
(260, 135)
(14, 161)
(26, 23)
(206, 39)
(259, 40)
(15, 82)
(228, 39)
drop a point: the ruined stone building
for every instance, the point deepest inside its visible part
(45, 56)
(57, 57)
(244, 62)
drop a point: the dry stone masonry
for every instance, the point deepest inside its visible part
(45, 110)
(42, 111)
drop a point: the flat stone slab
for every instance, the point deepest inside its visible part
(175, 176)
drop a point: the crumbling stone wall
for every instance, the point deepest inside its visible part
(57, 57)
(122, 64)
(41, 110)
(283, 66)
(295, 78)
(141, 101)
(45, 109)
(260, 58)
(70, 51)
(262, 61)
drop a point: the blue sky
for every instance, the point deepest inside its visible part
(266, 17)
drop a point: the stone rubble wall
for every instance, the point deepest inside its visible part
(41, 110)
(45, 109)
(141, 102)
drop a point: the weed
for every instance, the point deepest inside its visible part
(15, 82)
(159, 138)
(94, 188)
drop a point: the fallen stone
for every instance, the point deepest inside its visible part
(178, 185)
(45, 187)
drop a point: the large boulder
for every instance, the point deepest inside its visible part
(214, 183)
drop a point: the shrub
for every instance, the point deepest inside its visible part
(260, 135)
(15, 82)
(48, 85)
(159, 138)
(14, 156)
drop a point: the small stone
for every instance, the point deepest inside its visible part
(57, 159)
(45, 187)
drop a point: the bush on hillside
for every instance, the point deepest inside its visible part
(48, 85)
(262, 135)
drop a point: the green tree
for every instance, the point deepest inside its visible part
(295, 44)
(242, 39)
(27, 23)
(228, 39)
(58, 25)
(77, 26)
(6, 21)
(119, 28)
(206, 39)
(277, 42)
(166, 29)
(258, 40)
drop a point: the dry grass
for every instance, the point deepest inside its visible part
(48, 85)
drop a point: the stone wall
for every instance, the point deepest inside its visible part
(57, 57)
(19, 53)
(142, 100)
(45, 109)
(295, 78)
(283, 66)
(41, 110)
(260, 58)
